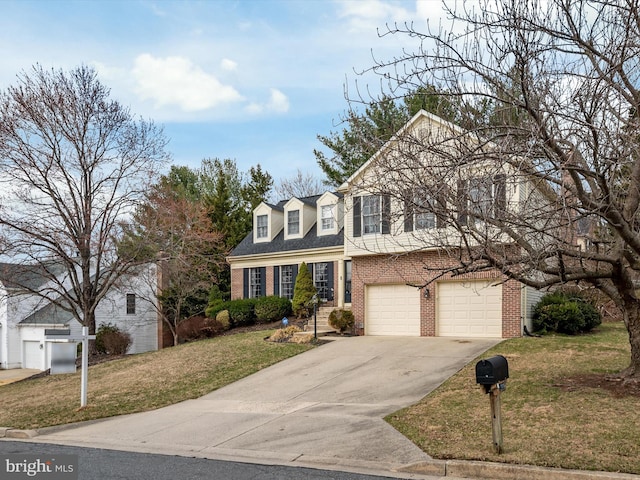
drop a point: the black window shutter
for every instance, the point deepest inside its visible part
(330, 286)
(276, 281)
(441, 210)
(408, 211)
(263, 281)
(245, 283)
(294, 275)
(462, 201)
(386, 213)
(500, 192)
(357, 219)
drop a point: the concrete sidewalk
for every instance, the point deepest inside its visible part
(323, 408)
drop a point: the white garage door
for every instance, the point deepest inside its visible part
(392, 310)
(469, 309)
(32, 355)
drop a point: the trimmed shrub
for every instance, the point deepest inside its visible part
(111, 340)
(303, 292)
(242, 312)
(223, 319)
(565, 313)
(342, 320)
(272, 308)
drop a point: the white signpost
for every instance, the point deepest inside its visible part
(84, 371)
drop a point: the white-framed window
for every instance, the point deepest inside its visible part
(327, 217)
(321, 279)
(262, 225)
(371, 214)
(482, 198)
(255, 283)
(286, 281)
(424, 216)
(131, 303)
(293, 222)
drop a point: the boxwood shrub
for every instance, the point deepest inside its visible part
(565, 313)
(272, 308)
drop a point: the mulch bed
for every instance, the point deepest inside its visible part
(617, 387)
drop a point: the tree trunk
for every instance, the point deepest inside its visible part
(631, 315)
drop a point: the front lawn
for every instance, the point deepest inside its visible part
(141, 382)
(554, 413)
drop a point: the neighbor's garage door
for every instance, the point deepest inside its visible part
(469, 309)
(32, 355)
(392, 310)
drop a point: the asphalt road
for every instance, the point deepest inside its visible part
(98, 464)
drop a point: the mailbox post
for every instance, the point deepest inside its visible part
(492, 374)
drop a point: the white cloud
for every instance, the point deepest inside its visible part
(228, 65)
(176, 81)
(277, 103)
(367, 15)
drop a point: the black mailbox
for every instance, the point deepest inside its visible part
(492, 370)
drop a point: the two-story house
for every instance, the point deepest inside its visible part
(384, 249)
(297, 230)
(403, 248)
(25, 318)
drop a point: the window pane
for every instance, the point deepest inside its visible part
(371, 217)
(286, 281)
(131, 303)
(255, 282)
(263, 226)
(327, 217)
(321, 280)
(293, 222)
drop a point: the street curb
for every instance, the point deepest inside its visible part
(6, 432)
(506, 471)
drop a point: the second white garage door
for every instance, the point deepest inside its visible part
(469, 309)
(392, 310)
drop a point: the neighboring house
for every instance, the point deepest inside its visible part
(24, 318)
(297, 230)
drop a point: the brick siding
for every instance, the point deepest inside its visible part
(410, 269)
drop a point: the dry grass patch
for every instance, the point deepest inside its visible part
(554, 411)
(141, 382)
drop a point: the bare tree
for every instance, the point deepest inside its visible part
(74, 163)
(176, 229)
(299, 185)
(547, 189)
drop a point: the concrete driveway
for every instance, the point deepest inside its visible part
(322, 408)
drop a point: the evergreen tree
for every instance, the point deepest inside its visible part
(303, 292)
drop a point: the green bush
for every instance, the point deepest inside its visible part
(216, 302)
(223, 318)
(242, 312)
(272, 308)
(111, 340)
(303, 292)
(565, 313)
(341, 319)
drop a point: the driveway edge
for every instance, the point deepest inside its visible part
(506, 471)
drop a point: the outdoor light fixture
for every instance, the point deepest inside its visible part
(426, 293)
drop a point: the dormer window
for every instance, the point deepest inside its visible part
(262, 224)
(293, 222)
(327, 217)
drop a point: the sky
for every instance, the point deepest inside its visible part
(252, 80)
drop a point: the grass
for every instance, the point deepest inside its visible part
(141, 382)
(550, 415)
